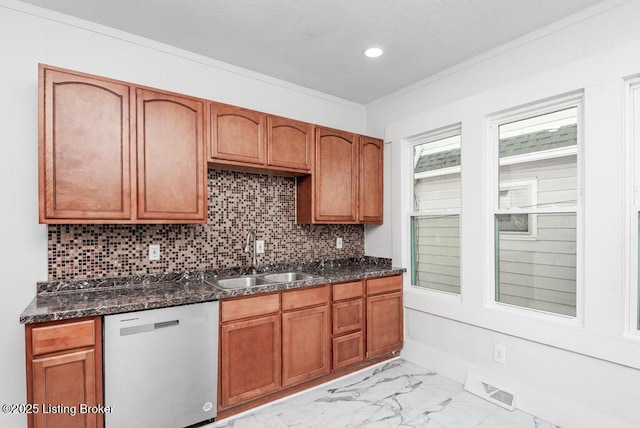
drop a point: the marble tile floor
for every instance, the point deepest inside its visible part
(394, 394)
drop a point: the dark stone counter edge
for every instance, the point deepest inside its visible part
(136, 299)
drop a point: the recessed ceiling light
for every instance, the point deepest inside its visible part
(374, 52)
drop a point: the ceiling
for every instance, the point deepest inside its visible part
(319, 43)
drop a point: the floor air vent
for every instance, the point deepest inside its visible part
(490, 393)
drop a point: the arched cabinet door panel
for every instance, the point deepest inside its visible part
(336, 186)
(237, 134)
(84, 148)
(290, 143)
(371, 180)
(171, 165)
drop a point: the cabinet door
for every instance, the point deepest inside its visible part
(306, 344)
(348, 316)
(250, 359)
(171, 164)
(348, 349)
(237, 135)
(384, 323)
(336, 188)
(64, 382)
(371, 180)
(84, 148)
(64, 370)
(289, 143)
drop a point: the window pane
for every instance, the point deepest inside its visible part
(436, 252)
(437, 174)
(538, 166)
(540, 273)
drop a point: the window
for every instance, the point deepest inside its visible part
(513, 194)
(634, 201)
(536, 210)
(435, 222)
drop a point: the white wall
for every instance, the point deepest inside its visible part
(576, 373)
(30, 35)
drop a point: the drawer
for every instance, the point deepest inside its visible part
(348, 290)
(384, 285)
(348, 349)
(305, 297)
(348, 316)
(62, 337)
(248, 307)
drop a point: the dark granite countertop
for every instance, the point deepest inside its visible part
(58, 300)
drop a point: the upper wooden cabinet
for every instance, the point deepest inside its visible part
(289, 143)
(115, 152)
(171, 166)
(329, 195)
(346, 184)
(249, 140)
(84, 148)
(237, 135)
(101, 139)
(370, 194)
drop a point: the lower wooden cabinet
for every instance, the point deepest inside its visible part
(348, 324)
(273, 345)
(64, 373)
(385, 331)
(250, 355)
(348, 349)
(250, 359)
(305, 344)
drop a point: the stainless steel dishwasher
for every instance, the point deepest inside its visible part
(160, 366)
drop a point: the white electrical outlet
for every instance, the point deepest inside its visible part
(154, 252)
(260, 247)
(338, 243)
(499, 353)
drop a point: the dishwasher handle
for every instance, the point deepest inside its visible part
(166, 324)
(145, 328)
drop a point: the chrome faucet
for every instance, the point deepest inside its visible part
(251, 237)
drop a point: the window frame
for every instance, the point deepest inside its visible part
(426, 138)
(632, 205)
(494, 122)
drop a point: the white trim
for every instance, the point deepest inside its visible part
(437, 172)
(541, 155)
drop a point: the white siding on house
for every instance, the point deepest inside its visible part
(437, 255)
(539, 272)
(437, 238)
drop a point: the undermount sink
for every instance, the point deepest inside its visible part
(287, 276)
(240, 282)
(248, 281)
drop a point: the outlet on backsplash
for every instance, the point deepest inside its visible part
(260, 247)
(154, 252)
(339, 243)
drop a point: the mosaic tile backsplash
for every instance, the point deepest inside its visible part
(237, 202)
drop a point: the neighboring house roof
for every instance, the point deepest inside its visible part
(519, 145)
